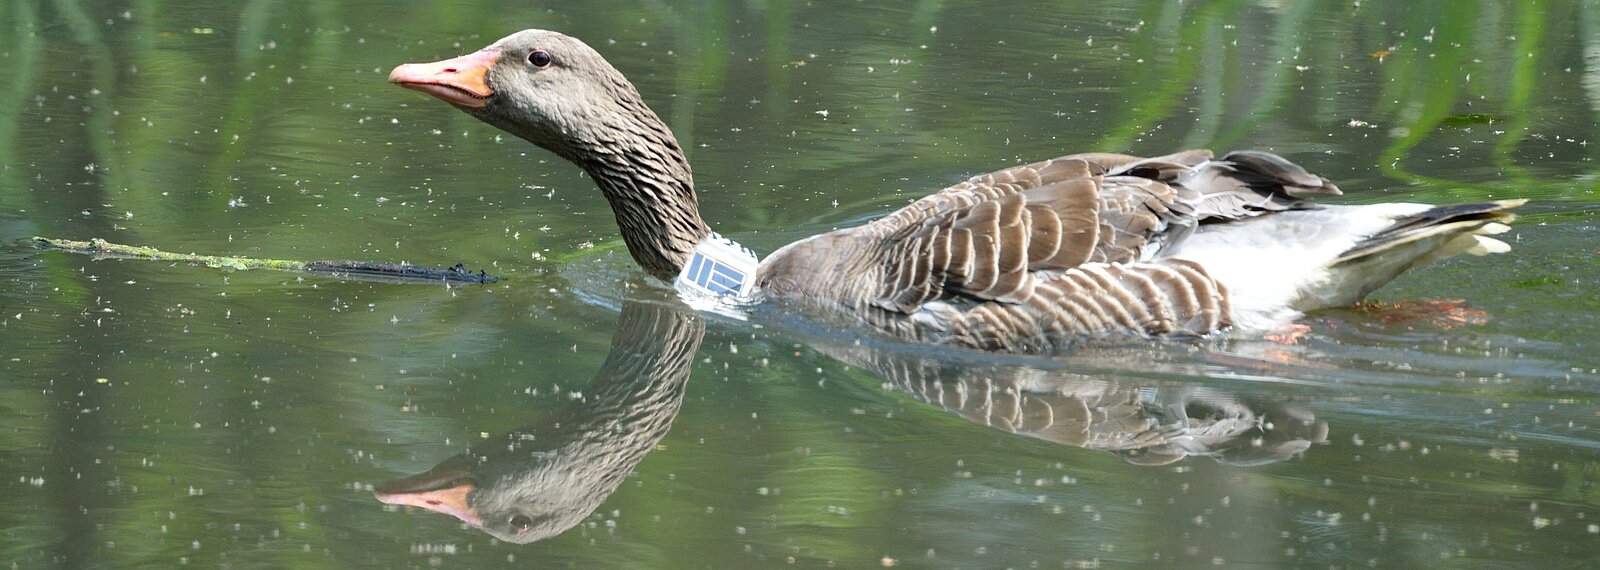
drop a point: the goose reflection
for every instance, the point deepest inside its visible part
(539, 481)
(1145, 421)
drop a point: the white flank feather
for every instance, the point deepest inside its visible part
(1269, 264)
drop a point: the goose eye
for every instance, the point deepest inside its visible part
(521, 523)
(539, 58)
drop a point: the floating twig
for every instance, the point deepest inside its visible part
(359, 270)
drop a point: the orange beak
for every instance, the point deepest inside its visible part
(458, 81)
(442, 490)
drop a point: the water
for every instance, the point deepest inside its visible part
(155, 415)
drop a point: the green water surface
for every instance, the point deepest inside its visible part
(155, 415)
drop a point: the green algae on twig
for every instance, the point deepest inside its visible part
(359, 270)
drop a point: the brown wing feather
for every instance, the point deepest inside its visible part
(1113, 164)
(985, 238)
(1133, 211)
(1067, 225)
(990, 237)
(982, 188)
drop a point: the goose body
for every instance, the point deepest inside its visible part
(1028, 258)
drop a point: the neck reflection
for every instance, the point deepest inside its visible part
(536, 482)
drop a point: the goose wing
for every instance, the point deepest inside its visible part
(993, 236)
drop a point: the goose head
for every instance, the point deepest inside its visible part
(548, 88)
(556, 92)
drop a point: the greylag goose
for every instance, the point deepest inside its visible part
(539, 481)
(1029, 258)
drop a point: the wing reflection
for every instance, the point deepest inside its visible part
(1146, 421)
(539, 481)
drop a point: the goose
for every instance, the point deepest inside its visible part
(1032, 258)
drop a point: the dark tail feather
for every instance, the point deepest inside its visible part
(1248, 183)
(1269, 173)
